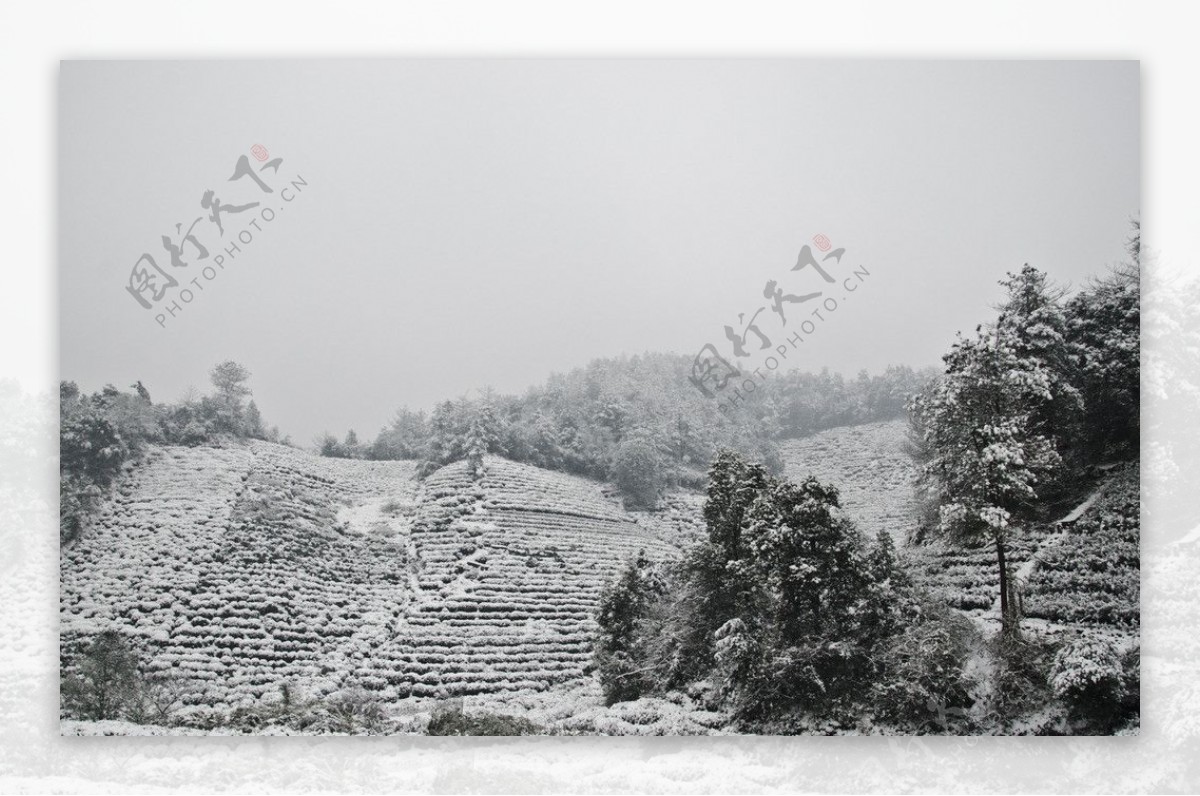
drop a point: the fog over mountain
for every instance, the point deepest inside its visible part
(474, 223)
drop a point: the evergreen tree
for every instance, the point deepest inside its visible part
(350, 447)
(229, 378)
(994, 426)
(447, 433)
(620, 653)
(482, 437)
(733, 485)
(254, 426)
(406, 438)
(327, 445)
(1033, 321)
(1104, 341)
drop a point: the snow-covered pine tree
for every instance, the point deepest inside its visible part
(997, 422)
(483, 437)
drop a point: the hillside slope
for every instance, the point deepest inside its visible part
(868, 464)
(1081, 572)
(510, 569)
(246, 568)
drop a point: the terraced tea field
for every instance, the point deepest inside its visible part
(869, 466)
(246, 568)
(509, 576)
(1091, 575)
(1080, 574)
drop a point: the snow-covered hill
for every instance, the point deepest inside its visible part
(248, 568)
(868, 464)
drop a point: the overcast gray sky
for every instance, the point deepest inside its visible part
(474, 223)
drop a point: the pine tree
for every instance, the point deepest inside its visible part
(995, 425)
(351, 449)
(254, 425)
(446, 433)
(1034, 322)
(482, 437)
(230, 379)
(1104, 340)
(621, 643)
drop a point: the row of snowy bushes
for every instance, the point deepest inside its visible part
(228, 568)
(1092, 576)
(511, 563)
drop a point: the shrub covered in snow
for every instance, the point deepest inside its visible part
(453, 721)
(106, 679)
(1090, 676)
(924, 685)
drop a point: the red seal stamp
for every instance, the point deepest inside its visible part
(260, 152)
(822, 242)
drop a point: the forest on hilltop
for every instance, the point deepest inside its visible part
(636, 421)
